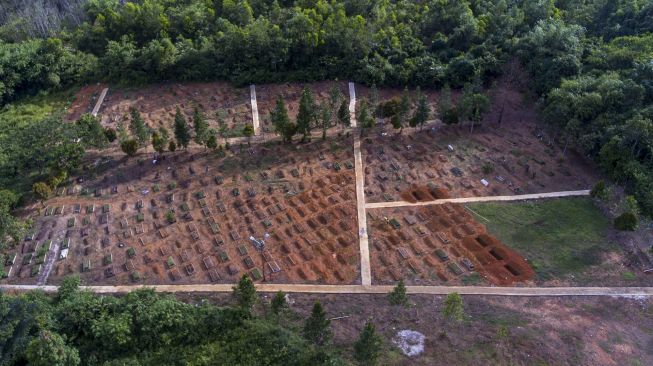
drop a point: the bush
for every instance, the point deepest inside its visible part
(487, 168)
(389, 108)
(398, 294)
(627, 221)
(129, 147)
(599, 190)
(450, 116)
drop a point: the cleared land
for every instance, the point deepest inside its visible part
(188, 219)
(567, 241)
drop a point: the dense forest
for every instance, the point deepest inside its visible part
(76, 327)
(590, 63)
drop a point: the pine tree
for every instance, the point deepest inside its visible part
(421, 112)
(398, 294)
(316, 328)
(368, 346)
(212, 142)
(446, 110)
(248, 132)
(473, 104)
(181, 129)
(364, 118)
(306, 113)
(282, 125)
(374, 99)
(172, 146)
(201, 127)
(158, 143)
(245, 293)
(404, 107)
(343, 114)
(137, 126)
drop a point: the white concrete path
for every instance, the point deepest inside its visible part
(352, 104)
(518, 197)
(362, 289)
(98, 104)
(366, 272)
(255, 121)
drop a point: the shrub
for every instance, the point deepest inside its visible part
(389, 108)
(398, 294)
(627, 221)
(450, 116)
(487, 168)
(599, 190)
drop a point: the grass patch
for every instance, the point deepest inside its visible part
(559, 237)
(34, 108)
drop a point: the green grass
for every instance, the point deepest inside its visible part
(560, 237)
(34, 108)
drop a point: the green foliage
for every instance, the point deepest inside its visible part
(172, 146)
(158, 143)
(343, 113)
(398, 295)
(201, 127)
(473, 104)
(91, 132)
(389, 108)
(278, 303)
(316, 327)
(364, 117)
(182, 134)
(49, 349)
(627, 221)
(248, 130)
(422, 111)
(41, 190)
(281, 122)
(245, 293)
(306, 114)
(137, 127)
(368, 346)
(599, 190)
(129, 147)
(453, 307)
(110, 134)
(212, 142)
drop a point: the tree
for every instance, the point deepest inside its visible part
(404, 108)
(110, 134)
(42, 191)
(453, 307)
(324, 115)
(343, 114)
(129, 147)
(374, 99)
(172, 146)
(316, 327)
(157, 143)
(9, 225)
(68, 287)
(181, 129)
(398, 294)
(282, 125)
(245, 293)
(212, 142)
(473, 104)
(368, 346)
(248, 132)
(364, 118)
(627, 221)
(599, 190)
(278, 303)
(91, 132)
(422, 111)
(446, 110)
(49, 349)
(201, 127)
(137, 126)
(306, 113)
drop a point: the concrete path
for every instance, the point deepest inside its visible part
(252, 97)
(366, 272)
(49, 261)
(518, 197)
(362, 289)
(352, 104)
(98, 104)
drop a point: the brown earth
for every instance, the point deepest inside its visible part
(439, 244)
(296, 194)
(84, 101)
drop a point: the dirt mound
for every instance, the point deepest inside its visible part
(421, 193)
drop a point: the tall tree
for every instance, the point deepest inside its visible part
(422, 111)
(446, 110)
(181, 129)
(473, 104)
(137, 126)
(91, 132)
(316, 327)
(343, 114)
(374, 99)
(245, 293)
(282, 125)
(364, 118)
(368, 346)
(201, 127)
(324, 116)
(158, 143)
(404, 108)
(306, 113)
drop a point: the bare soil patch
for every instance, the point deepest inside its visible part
(440, 244)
